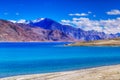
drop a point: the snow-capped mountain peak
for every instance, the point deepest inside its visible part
(20, 21)
(37, 20)
(13, 21)
(23, 21)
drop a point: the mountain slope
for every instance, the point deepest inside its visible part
(21, 32)
(76, 33)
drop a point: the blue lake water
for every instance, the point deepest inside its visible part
(33, 58)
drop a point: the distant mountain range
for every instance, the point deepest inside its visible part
(45, 29)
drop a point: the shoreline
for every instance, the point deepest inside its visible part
(99, 73)
(114, 42)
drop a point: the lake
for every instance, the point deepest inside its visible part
(36, 58)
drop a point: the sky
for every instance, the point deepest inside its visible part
(71, 12)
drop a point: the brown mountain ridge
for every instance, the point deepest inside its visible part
(14, 32)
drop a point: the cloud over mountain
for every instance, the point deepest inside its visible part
(107, 26)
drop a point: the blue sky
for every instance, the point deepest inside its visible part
(57, 9)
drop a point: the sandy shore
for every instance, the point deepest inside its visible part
(99, 73)
(114, 42)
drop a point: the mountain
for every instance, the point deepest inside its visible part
(23, 32)
(50, 30)
(76, 33)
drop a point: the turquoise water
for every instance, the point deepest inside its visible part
(33, 58)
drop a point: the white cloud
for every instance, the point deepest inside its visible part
(66, 22)
(107, 26)
(80, 14)
(113, 12)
